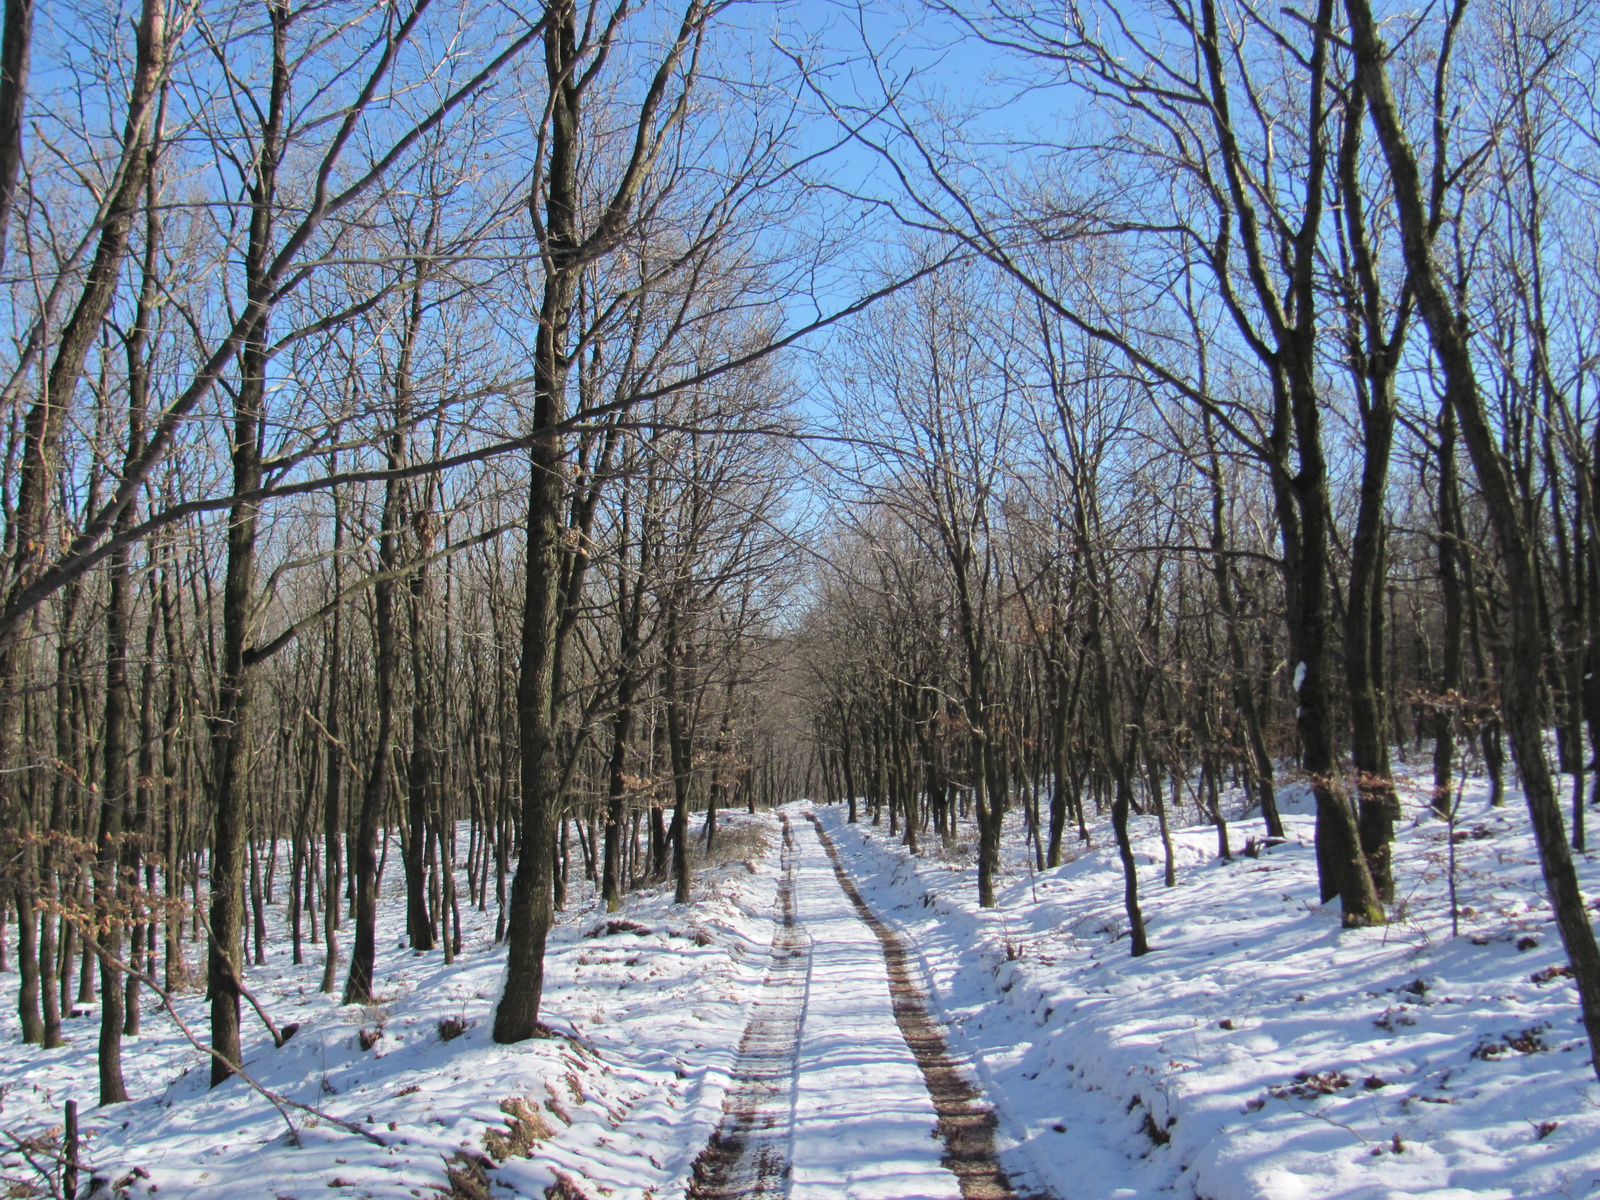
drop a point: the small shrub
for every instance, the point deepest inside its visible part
(1391, 1019)
(554, 1105)
(565, 1188)
(1154, 1132)
(369, 1037)
(468, 1175)
(1308, 1086)
(618, 926)
(525, 1126)
(1551, 974)
(576, 1088)
(450, 1028)
(1528, 1041)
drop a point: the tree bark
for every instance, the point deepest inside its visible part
(230, 727)
(1522, 686)
(15, 52)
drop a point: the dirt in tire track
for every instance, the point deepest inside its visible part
(748, 1155)
(966, 1122)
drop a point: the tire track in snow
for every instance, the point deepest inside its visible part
(966, 1121)
(748, 1155)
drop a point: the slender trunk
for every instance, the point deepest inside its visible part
(1450, 546)
(680, 756)
(1258, 763)
(113, 805)
(616, 784)
(258, 910)
(27, 935)
(423, 767)
(175, 970)
(230, 729)
(15, 51)
(1373, 356)
(847, 762)
(364, 950)
(332, 823)
(1158, 797)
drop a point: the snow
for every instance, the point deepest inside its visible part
(1259, 1052)
(863, 1120)
(653, 1022)
(1281, 1056)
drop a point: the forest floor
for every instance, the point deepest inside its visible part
(649, 1007)
(833, 1017)
(1259, 1051)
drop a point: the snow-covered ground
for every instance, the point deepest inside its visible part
(1261, 1052)
(655, 1011)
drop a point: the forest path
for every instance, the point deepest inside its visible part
(844, 1086)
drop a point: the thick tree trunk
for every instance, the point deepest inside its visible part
(1522, 686)
(529, 914)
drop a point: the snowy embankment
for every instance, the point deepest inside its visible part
(650, 1006)
(1260, 1052)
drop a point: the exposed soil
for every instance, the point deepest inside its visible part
(966, 1122)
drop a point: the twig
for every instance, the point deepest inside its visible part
(27, 1148)
(1306, 1112)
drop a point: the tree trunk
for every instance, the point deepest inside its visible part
(230, 729)
(364, 949)
(1522, 687)
(15, 51)
(332, 823)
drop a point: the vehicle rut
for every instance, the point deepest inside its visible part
(966, 1121)
(748, 1155)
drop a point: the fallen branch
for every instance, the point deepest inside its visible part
(278, 1038)
(1306, 1112)
(280, 1102)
